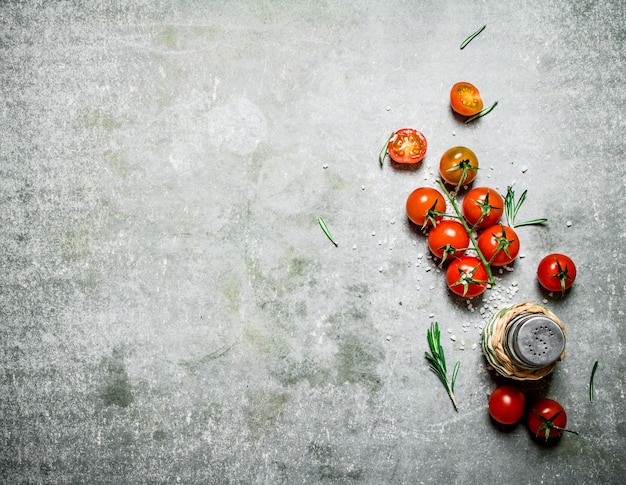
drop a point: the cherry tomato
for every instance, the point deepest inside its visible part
(448, 237)
(499, 245)
(482, 207)
(420, 204)
(556, 272)
(506, 404)
(547, 419)
(467, 276)
(407, 146)
(458, 166)
(465, 99)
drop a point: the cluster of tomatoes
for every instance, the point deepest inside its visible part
(473, 240)
(546, 419)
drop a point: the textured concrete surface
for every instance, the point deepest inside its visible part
(171, 312)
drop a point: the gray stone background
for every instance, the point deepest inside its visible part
(170, 311)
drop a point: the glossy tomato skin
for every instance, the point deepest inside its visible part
(471, 269)
(474, 202)
(506, 404)
(496, 241)
(546, 408)
(407, 146)
(555, 268)
(452, 163)
(465, 99)
(420, 201)
(448, 232)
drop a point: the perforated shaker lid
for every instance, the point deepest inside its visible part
(538, 341)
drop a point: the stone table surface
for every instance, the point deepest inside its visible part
(170, 309)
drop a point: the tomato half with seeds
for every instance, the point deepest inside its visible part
(499, 245)
(448, 238)
(465, 99)
(556, 272)
(482, 207)
(467, 276)
(547, 419)
(458, 165)
(423, 204)
(407, 146)
(506, 404)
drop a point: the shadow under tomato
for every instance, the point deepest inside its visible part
(406, 167)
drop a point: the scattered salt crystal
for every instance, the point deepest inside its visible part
(569, 223)
(325, 166)
(392, 221)
(449, 330)
(545, 300)
(362, 187)
(354, 247)
(373, 233)
(453, 338)
(420, 256)
(388, 337)
(524, 169)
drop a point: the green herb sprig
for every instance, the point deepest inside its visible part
(591, 383)
(511, 208)
(383, 151)
(481, 113)
(471, 37)
(326, 231)
(437, 361)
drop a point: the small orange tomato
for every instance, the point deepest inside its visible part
(458, 166)
(465, 99)
(407, 146)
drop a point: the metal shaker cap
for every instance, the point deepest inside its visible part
(537, 341)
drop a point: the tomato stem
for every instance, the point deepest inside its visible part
(462, 220)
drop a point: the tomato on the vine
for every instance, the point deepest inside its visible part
(482, 207)
(423, 206)
(458, 165)
(547, 419)
(506, 404)
(465, 99)
(499, 245)
(556, 272)
(467, 276)
(407, 146)
(447, 238)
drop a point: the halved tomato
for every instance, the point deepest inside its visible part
(465, 99)
(407, 146)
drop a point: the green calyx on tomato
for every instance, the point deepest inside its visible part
(458, 166)
(499, 244)
(482, 207)
(467, 276)
(556, 272)
(448, 238)
(425, 206)
(547, 419)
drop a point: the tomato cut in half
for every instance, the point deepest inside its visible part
(482, 207)
(465, 99)
(407, 146)
(448, 238)
(556, 272)
(424, 206)
(467, 276)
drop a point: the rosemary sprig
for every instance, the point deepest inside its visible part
(326, 231)
(471, 37)
(511, 208)
(481, 113)
(383, 151)
(437, 361)
(591, 383)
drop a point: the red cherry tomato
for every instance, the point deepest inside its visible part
(465, 99)
(420, 204)
(547, 419)
(482, 207)
(458, 166)
(556, 272)
(506, 404)
(467, 276)
(499, 245)
(407, 146)
(448, 237)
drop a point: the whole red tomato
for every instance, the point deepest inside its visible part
(499, 245)
(422, 204)
(458, 166)
(465, 99)
(407, 146)
(467, 276)
(547, 419)
(506, 404)
(482, 207)
(448, 237)
(556, 272)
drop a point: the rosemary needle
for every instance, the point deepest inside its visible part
(383, 152)
(326, 231)
(471, 37)
(591, 385)
(482, 113)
